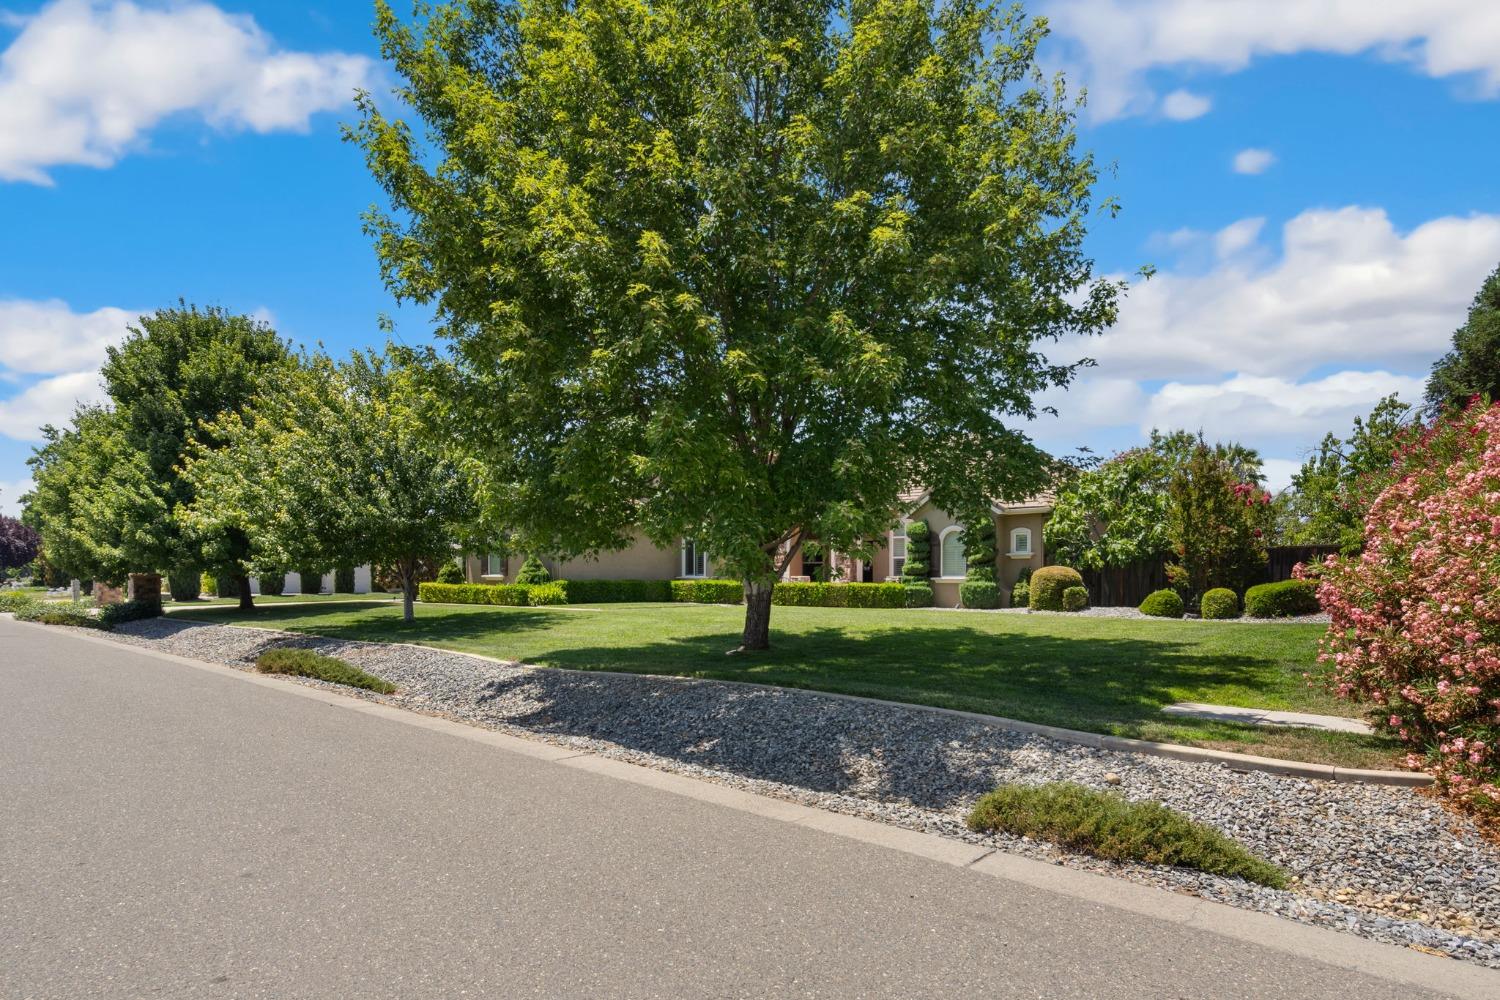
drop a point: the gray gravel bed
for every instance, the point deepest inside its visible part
(1387, 863)
(1321, 618)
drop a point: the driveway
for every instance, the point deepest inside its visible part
(169, 831)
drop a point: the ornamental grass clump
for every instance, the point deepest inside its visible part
(1415, 617)
(1110, 826)
(309, 663)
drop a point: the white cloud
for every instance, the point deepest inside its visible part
(1279, 472)
(48, 337)
(1183, 105)
(1348, 291)
(10, 496)
(84, 80)
(1119, 41)
(50, 401)
(1253, 161)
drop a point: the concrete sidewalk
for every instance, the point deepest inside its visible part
(193, 831)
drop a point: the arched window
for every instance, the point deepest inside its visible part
(951, 553)
(1020, 542)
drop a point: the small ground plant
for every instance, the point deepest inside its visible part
(1075, 599)
(1048, 584)
(1110, 826)
(309, 663)
(1220, 603)
(1163, 604)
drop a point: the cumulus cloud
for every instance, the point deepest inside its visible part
(1183, 105)
(1118, 42)
(1348, 290)
(11, 493)
(47, 337)
(84, 81)
(1253, 161)
(49, 401)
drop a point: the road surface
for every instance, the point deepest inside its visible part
(168, 831)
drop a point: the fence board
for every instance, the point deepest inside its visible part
(1127, 586)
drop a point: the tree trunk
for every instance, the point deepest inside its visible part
(247, 599)
(408, 568)
(757, 616)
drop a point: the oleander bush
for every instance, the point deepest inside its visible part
(502, 594)
(309, 663)
(1110, 826)
(708, 591)
(532, 572)
(981, 595)
(1220, 603)
(450, 572)
(1285, 599)
(1163, 604)
(1047, 586)
(1075, 599)
(1413, 615)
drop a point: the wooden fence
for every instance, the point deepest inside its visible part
(1127, 586)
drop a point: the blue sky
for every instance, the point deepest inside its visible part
(1314, 181)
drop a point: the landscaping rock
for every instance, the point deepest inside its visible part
(1385, 862)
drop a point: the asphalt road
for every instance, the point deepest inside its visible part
(171, 832)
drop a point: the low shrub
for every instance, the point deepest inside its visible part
(616, 591)
(500, 594)
(128, 611)
(310, 582)
(1020, 594)
(186, 585)
(544, 594)
(1075, 599)
(1286, 599)
(980, 595)
(226, 586)
(15, 600)
(272, 584)
(208, 585)
(343, 580)
(918, 595)
(1163, 604)
(79, 615)
(308, 663)
(810, 595)
(876, 595)
(451, 573)
(532, 572)
(708, 591)
(1220, 603)
(1047, 586)
(1110, 826)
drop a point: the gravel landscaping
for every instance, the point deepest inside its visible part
(1321, 618)
(1388, 863)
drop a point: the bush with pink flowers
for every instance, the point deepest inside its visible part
(1416, 616)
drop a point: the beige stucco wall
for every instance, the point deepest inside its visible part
(640, 560)
(1008, 569)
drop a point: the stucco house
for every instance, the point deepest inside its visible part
(1018, 533)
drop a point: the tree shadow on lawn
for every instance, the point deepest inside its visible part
(429, 628)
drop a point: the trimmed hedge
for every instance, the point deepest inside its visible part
(1075, 599)
(707, 591)
(79, 615)
(918, 595)
(310, 582)
(617, 591)
(511, 595)
(875, 595)
(1220, 603)
(127, 611)
(840, 595)
(1286, 599)
(343, 580)
(543, 594)
(1047, 586)
(1163, 604)
(980, 595)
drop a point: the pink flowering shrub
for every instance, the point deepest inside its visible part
(1416, 615)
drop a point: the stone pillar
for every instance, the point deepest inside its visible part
(74, 588)
(107, 593)
(146, 588)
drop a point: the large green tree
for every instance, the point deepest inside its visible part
(334, 466)
(1338, 482)
(1472, 367)
(1113, 515)
(735, 270)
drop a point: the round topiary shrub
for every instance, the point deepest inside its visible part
(1075, 598)
(532, 572)
(1047, 586)
(1220, 602)
(1163, 604)
(979, 594)
(451, 573)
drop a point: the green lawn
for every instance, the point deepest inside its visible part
(1096, 674)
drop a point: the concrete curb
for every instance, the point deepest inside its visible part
(1331, 947)
(1099, 741)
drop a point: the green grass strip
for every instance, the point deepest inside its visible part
(1110, 826)
(307, 663)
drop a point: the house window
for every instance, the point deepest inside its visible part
(951, 553)
(494, 564)
(694, 559)
(898, 549)
(1020, 542)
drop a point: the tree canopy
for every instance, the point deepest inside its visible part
(1472, 367)
(735, 270)
(19, 544)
